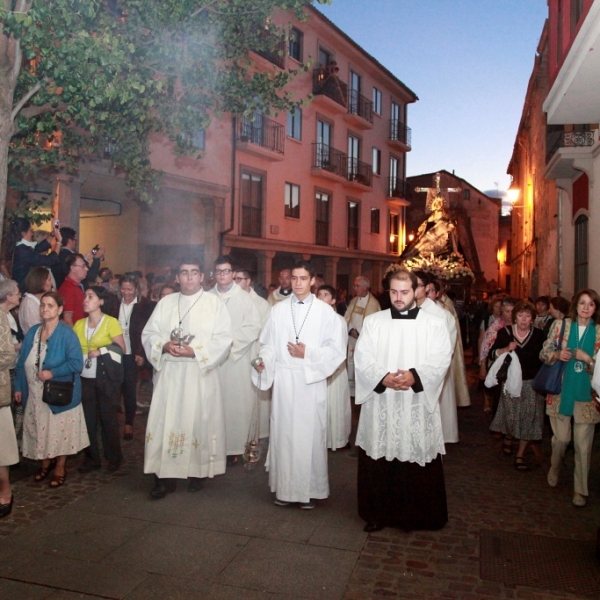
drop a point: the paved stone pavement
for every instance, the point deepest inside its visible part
(99, 536)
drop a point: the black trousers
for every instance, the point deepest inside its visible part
(99, 409)
(130, 373)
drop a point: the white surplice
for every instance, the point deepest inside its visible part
(297, 458)
(185, 435)
(264, 308)
(236, 383)
(448, 396)
(339, 409)
(401, 425)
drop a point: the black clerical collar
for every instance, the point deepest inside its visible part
(285, 292)
(407, 314)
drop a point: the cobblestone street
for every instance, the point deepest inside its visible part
(100, 536)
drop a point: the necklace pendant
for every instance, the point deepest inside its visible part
(88, 363)
(578, 366)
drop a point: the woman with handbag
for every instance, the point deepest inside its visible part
(102, 346)
(520, 415)
(9, 451)
(578, 349)
(49, 366)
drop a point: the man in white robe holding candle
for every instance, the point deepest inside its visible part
(301, 345)
(402, 356)
(185, 435)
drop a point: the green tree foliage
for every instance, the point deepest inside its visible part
(80, 76)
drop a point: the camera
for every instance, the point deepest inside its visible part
(56, 224)
(95, 249)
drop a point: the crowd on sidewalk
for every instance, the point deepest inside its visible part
(230, 364)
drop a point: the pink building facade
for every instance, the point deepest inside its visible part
(326, 183)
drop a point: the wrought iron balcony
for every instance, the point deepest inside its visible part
(329, 159)
(327, 83)
(567, 139)
(333, 161)
(273, 49)
(399, 132)
(359, 171)
(397, 188)
(260, 130)
(359, 105)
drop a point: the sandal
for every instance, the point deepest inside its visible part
(507, 447)
(520, 464)
(58, 480)
(43, 472)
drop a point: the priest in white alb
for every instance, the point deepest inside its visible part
(236, 382)
(402, 356)
(301, 345)
(185, 434)
(339, 407)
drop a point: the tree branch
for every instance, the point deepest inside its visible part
(34, 90)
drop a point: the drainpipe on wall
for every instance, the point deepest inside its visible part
(559, 248)
(222, 234)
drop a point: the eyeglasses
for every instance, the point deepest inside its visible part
(223, 271)
(84, 266)
(238, 279)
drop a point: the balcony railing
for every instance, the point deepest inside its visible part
(273, 49)
(567, 139)
(329, 159)
(359, 105)
(251, 221)
(327, 83)
(397, 188)
(359, 171)
(399, 132)
(260, 130)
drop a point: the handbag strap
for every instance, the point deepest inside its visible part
(562, 332)
(39, 352)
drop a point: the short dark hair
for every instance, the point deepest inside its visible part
(523, 306)
(405, 275)
(68, 233)
(247, 272)
(544, 299)
(100, 291)
(328, 288)
(224, 259)
(595, 299)
(304, 264)
(57, 298)
(70, 260)
(560, 304)
(423, 276)
(35, 280)
(435, 283)
(190, 259)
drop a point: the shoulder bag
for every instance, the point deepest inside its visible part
(548, 379)
(55, 393)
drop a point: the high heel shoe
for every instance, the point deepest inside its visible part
(6, 509)
(43, 472)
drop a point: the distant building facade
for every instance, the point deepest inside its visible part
(326, 182)
(556, 158)
(477, 216)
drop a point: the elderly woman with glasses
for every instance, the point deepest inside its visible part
(133, 313)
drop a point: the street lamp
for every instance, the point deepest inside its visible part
(513, 195)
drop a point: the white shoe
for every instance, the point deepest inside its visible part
(552, 478)
(307, 505)
(579, 500)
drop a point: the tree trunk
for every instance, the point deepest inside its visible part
(9, 71)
